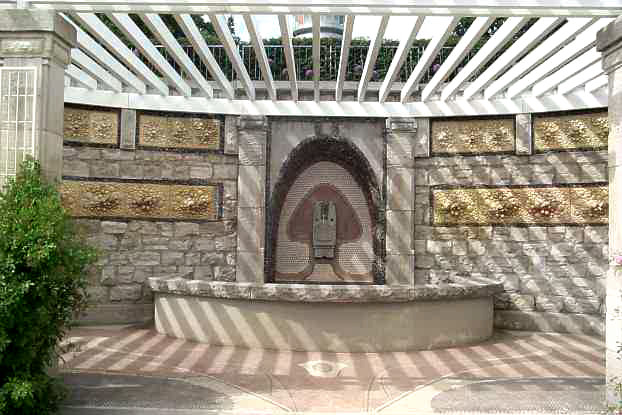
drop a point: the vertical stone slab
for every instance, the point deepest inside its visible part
(251, 133)
(422, 138)
(401, 146)
(609, 42)
(231, 134)
(128, 129)
(524, 138)
(42, 40)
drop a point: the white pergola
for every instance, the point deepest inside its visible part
(549, 64)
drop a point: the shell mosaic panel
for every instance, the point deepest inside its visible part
(140, 200)
(91, 126)
(179, 132)
(525, 205)
(567, 132)
(472, 136)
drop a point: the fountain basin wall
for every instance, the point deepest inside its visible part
(332, 318)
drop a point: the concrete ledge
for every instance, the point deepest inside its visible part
(550, 322)
(459, 289)
(331, 326)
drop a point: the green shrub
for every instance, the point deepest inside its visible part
(42, 281)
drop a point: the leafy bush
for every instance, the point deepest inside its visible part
(42, 268)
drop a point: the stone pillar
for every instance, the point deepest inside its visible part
(41, 40)
(400, 259)
(252, 134)
(609, 42)
(524, 139)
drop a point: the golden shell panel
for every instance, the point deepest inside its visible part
(179, 132)
(139, 200)
(472, 136)
(566, 132)
(91, 126)
(551, 205)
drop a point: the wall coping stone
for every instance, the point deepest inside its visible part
(461, 288)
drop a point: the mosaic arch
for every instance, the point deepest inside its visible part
(333, 169)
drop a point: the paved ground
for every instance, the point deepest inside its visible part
(124, 370)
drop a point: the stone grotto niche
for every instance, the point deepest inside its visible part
(324, 222)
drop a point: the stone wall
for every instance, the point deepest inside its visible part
(536, 220)
(151, 210)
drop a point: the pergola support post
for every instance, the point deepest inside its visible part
(37, 44)
(610, 44)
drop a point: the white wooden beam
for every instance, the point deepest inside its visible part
(93, 69)
(533, 35)
(401, 54)
(81, 77)
(428, 56)
(533, 8)
(260, 55)
(346, 41)
(105, 36)
(580, 79)
(565, 73)
(315, 23)
(105, 59)
(288, 51)
(130, 29)
(155, 23)
(490, 48)
(199, 45)
(370, 59)
(596, 83)
(231, 49)
(467, 41)
(539, 54)
(477, 107)
(566, 55)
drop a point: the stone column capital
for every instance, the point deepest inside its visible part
(36, 34)
(609, 42)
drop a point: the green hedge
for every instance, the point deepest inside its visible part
(42, 281)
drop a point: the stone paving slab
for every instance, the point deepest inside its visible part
(138, 371)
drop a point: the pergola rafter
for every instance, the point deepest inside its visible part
(542, 50)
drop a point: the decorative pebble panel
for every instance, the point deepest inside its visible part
(522, 205)
(179, 132)
(463, 136)
(140, 200)
(91, 126)
(567, 132)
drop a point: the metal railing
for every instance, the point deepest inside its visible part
(329, 62)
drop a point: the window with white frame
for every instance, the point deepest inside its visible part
(17, 114)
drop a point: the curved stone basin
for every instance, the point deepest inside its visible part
(335, 318)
